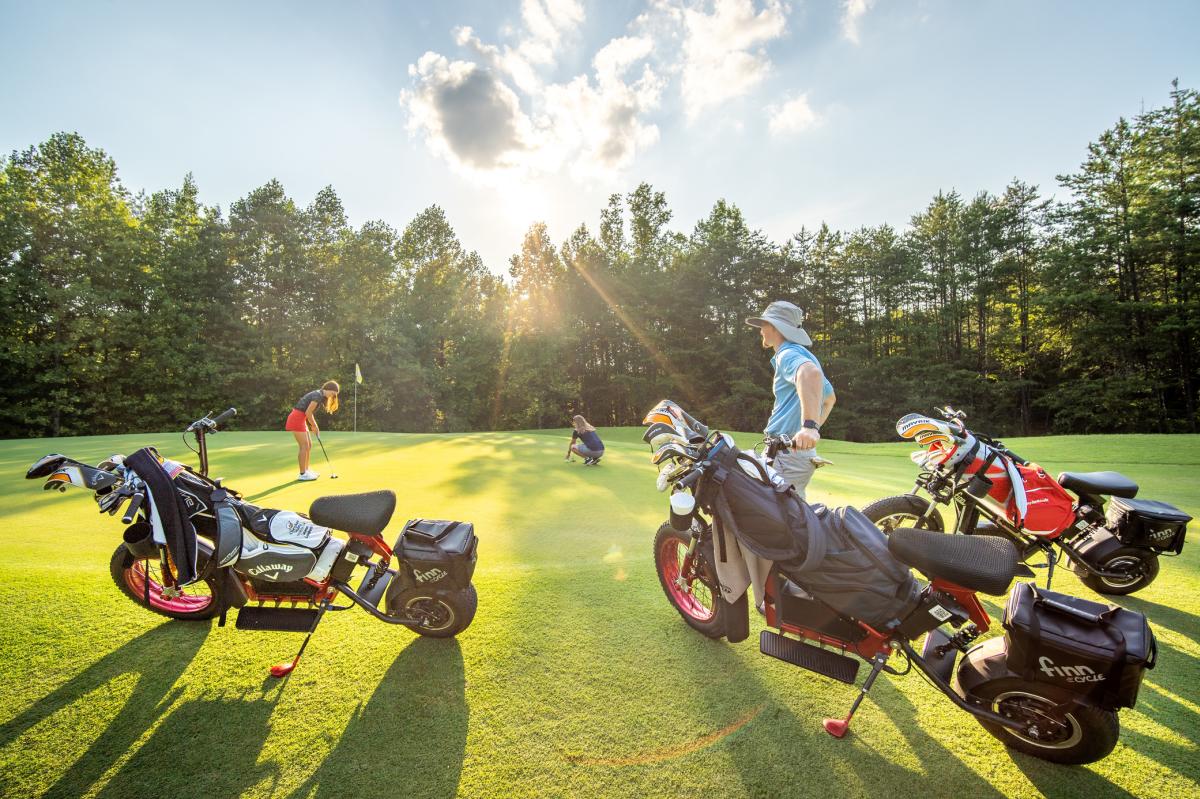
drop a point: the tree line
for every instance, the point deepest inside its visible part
(130, 312)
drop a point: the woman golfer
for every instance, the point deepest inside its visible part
(590, 447)
(303, 418)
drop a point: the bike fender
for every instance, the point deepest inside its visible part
(981, 664)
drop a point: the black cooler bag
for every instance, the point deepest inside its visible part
(1148, 523)
(437, 554)
(1098, 651)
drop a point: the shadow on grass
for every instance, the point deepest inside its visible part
(207, 746)
(269, 491)
(409, 739)
(158, 657)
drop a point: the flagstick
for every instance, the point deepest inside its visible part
(356, 402)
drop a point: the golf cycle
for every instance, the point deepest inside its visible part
(837, 592)
(996, 492)
(194, 549)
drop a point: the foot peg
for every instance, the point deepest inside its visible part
(798, 653)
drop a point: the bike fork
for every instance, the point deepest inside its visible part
(285, 668)
(839, 727)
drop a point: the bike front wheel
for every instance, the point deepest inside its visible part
(689, 581)
(196, 602)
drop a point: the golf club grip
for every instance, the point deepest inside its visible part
(135, 502)
(220, 420)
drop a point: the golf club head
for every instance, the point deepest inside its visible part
(836, 727)
(657, 429)
(282, 669)
(670, 450)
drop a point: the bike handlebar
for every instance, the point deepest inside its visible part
(220, 420)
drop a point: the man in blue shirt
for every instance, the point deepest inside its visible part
(803, 395)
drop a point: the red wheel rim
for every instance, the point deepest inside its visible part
(671, 555)
(184, 603)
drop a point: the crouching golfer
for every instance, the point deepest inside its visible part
(590, 447)
(303, 419)
(803, 395)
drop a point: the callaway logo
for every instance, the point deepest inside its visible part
(432, 575)
(1071, 673)
(274, 567)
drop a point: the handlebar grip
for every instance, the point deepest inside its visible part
(220, 420)
(691, 479)
(134, 503)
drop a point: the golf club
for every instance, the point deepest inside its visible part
(332, 475)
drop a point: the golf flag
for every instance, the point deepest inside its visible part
(357, 374)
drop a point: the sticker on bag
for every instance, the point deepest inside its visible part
(291, 528)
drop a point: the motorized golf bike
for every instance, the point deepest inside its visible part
(194, 549)
(838, 592)
(996, 492)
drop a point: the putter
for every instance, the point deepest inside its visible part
(332, 475)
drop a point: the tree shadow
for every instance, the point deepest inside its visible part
(208, 746)
(1051, 777)
(410, 737)
(1174, 619)
(158, 657)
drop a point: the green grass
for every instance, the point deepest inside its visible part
(576, 678)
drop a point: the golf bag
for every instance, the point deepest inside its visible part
(837, 555)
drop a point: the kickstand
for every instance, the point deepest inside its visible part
(839, 727)
(1051, 559)
(285, 668)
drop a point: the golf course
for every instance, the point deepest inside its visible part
(576, 678)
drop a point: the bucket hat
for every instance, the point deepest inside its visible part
(785, 317)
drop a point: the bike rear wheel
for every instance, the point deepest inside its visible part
(1080, 734)
(196, 602)
(690, 583)
(1139, 565)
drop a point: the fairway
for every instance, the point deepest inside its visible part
(577, 678)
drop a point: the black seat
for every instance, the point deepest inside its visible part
(1107, 483)
(365, 513)
(983, 563)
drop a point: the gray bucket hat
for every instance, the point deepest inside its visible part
(786, 318)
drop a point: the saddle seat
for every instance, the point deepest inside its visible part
(1112, 484)
(366, 514)
(981, 563)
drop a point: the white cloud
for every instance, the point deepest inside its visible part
(495, 115)
(793, 116)
(724, 52)
(470, 114)
(852, 12)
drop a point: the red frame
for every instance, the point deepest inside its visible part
(875, 642)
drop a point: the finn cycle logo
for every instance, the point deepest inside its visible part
(1071, 673)
(433, 575)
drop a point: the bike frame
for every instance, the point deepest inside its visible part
(968, 511)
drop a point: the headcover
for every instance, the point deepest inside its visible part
(168, 513)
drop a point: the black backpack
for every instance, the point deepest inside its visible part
(837, 555)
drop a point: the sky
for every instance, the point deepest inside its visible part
(849, 112)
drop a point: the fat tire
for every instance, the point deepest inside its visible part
(715, 627)
(462, 603)
(1099, 728)
(122, 560)
(1150, 563)
(904, 504)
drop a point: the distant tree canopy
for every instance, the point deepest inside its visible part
(126, 312)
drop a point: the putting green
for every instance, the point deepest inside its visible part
(576, 678)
